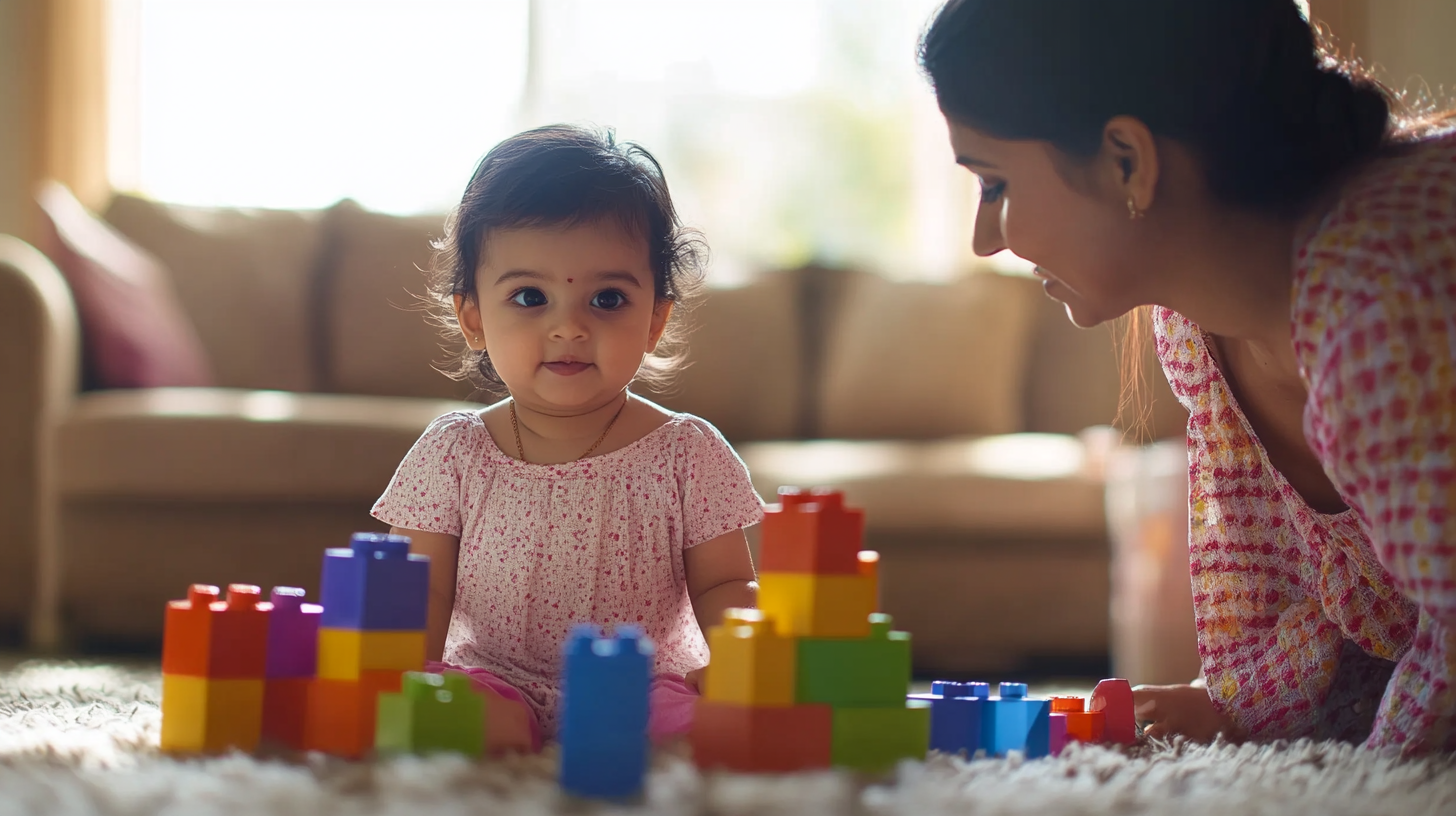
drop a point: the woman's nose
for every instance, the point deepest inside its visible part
(988, 238)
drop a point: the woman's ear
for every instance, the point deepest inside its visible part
(467, 315)
(661, 313)
(1131, 154)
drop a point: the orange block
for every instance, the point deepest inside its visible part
(762, 740)
(1082, 725)
(341, 713)
(811, 532)
(285, 711)
(205, 637)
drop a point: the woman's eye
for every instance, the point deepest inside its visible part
(610, 299)
(529, 297)
(991, 192)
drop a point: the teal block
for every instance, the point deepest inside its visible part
(432, 713)
(875, 739)
(855, 672)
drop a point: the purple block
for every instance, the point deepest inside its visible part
(293, 629)
(1057, 732)
(375, 584)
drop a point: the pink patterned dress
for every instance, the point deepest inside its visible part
(1312, 624)
(543, 547)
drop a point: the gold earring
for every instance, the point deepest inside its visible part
(1133, 213)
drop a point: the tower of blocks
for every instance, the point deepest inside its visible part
(606, 680)
(814, 677)
(965, 717)
(303, 676)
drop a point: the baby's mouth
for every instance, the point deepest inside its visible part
(566, 368)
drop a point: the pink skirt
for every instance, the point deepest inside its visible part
(670, 704)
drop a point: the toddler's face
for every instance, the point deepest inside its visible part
(565, 313)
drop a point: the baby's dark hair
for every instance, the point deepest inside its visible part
(565, 176)
(1273, 114)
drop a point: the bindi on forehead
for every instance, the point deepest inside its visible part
(571, 280)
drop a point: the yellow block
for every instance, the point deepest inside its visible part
(804, 605)
(344, 653)
(201, 715)
(751, 664)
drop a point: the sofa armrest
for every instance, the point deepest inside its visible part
(39, 379)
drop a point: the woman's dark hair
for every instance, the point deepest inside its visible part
(565, 176)
(1273, 115)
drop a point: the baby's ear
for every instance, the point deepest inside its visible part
(467, 316)
(661, 314)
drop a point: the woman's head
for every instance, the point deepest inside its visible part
(562, 264)
(1135, 103)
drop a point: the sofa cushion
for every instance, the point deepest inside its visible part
(1022, 485)
(927, 360)
(745, 367)
(377, 337)
(134, 331)
(245, 277)
(235, 446)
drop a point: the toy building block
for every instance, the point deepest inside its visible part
(603, 731)
(855, 672)
(345, 654)
(375, 584)
(752, 664)
(285, 711)
(341, 713)
(432, 712)
(293, 628)
(760, 739)
(206, 637)
(875, 739)
(1114, 699)
(956, 716)
(869, 567)
(1082, 725)
(1056, 733)
(203, 715)
(811, 532)
(1014, 722)
(821, 606)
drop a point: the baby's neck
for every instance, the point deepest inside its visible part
(551, 437)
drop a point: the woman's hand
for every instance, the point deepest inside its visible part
(1165, 711)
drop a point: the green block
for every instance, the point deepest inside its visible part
(855, 672)
(875, 739)
(432, 712)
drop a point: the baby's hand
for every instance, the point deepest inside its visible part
(1182, 709)
(694, 679)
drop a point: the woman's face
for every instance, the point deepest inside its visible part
(1066, 217)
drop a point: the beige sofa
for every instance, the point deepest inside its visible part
(949, 412)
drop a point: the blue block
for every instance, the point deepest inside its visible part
(375, 584)
(603, 733)
(956, 716)
(1012, 722)
(1039, 735)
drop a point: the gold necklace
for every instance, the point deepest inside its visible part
(521, 452)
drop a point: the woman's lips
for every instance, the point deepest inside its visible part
(567, 369)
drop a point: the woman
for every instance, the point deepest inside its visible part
(1297, 240)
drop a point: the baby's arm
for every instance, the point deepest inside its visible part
(720, 577)
(443, 551)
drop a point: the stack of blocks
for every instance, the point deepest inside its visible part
(375, 598)
(606, 681)
(813, 677)
(966, 718)
(214, 670)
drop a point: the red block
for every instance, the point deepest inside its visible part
(220, 640)
(341, 713)
(811, 532)
(762, 740)
(1114, 699)
(285, 711)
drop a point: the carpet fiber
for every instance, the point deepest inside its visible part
(81, 739)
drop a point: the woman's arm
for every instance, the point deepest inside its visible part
(443, 550)
(720, 577)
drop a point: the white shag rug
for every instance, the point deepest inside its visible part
(81, 739)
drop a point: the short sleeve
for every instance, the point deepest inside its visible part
(425, 493)
(717, 494)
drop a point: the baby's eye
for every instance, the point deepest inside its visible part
(609, 299)
(991, 192)
(529, 297)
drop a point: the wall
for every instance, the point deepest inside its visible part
(1409, 41)
(15, 123)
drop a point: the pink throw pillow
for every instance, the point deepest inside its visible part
(134, 332)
